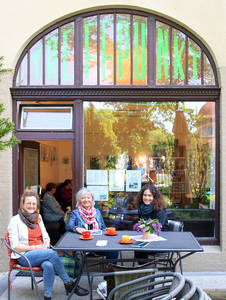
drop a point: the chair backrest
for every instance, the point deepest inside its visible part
(7, 241)
(175, 225)
(124, 274)
(149, 287)
(12, 261)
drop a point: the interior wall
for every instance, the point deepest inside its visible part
(58, 164)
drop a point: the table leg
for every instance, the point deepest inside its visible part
(77, 279)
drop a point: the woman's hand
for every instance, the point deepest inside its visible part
(80, 230)
(44, 245)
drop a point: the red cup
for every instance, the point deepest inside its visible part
(86, 234)
(110, 230)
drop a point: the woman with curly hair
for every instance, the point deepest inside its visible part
(151, 205)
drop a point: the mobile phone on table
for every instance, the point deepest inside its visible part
(141, 244)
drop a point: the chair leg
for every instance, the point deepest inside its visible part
(9, 286)
(32, 283)
(120, 256)
(36, 285)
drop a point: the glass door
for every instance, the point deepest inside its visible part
(30, 166)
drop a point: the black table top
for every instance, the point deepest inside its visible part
(175, 241)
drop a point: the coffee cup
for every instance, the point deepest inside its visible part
(126, 238)
(110, 230)
(86, 234)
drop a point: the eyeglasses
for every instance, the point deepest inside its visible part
(30, 204)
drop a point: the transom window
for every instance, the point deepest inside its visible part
(44, 117)
(116, 49)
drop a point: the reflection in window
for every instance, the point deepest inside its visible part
(123, 50)
(106, 49)
(179, 54)
(46, 118)
(36, 64)
(67, 54)
(90, 50)
(139, 50)
(51, 58)
(22, 73)
(163, 53)
(208, 72)
(194, 63)
(171, 145)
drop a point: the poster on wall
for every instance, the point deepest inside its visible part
(133, 180)
(100, 192)
(116, 180)
(96, 177)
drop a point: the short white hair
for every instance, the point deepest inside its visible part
(81, 193)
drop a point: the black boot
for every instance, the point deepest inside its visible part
(47, 298)
(78, 291)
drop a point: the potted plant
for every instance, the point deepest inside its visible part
(148, 227)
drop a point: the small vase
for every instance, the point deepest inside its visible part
(146, 235)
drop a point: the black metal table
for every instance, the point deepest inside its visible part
(175, 242)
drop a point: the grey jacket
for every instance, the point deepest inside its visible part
(51, 210)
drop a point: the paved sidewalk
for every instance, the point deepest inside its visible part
(212, 282)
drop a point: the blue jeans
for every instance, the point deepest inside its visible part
(50, 262)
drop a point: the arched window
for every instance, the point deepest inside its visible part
(116, 49)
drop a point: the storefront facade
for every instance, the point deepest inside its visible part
(115, 97)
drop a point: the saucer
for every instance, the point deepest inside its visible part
(129, 242)
(111, 233)
(86, 239)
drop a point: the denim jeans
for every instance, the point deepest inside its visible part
(50, 262)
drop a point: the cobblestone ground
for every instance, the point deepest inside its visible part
(217, 294)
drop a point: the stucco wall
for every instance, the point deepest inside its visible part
(22, 20)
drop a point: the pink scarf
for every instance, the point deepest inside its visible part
(89, 216)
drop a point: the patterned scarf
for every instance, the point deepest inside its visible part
(29, 219)
(89, 216)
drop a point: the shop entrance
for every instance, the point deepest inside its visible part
(42, 162)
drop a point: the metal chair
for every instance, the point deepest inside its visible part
(199, 294)
(188, 290)
(165, 285)
(23, 271)
(176, 226)
(125, 273)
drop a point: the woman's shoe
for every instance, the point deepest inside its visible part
(80, 291)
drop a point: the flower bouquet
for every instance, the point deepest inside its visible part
(146, 227)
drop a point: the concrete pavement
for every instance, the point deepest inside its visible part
(214, 283)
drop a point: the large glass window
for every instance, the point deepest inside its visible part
(168, 143)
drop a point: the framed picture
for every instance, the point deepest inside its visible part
(53, 154)
(45, 152)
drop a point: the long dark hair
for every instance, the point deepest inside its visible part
(158, 201)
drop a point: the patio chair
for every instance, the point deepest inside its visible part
(30, 271)
(188, 290)
(164, 286)
(199, 294)
(125, 273)
(165, 258)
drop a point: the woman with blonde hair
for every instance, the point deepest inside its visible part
(28, 235)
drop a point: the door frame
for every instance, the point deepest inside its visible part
(28, 136)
